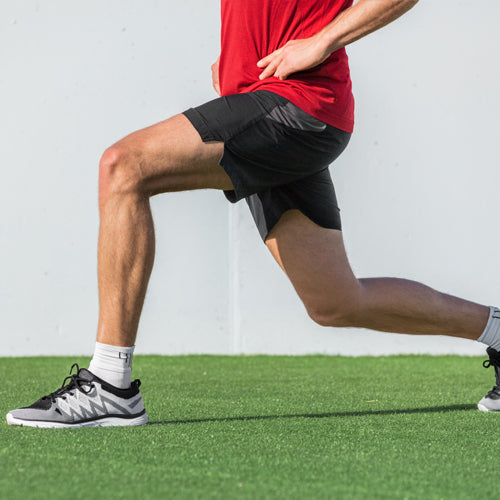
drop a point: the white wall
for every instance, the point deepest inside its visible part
(417, 186)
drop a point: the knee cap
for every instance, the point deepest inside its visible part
(117, 173)
(333, 317)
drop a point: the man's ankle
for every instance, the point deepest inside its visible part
(113, 364)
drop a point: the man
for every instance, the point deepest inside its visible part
(286, 114)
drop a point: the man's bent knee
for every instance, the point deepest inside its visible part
(334, 315)
(119, 173)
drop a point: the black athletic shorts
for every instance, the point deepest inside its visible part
(276, 155)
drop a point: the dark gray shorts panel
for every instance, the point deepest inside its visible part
(314, 196)
(276, 155)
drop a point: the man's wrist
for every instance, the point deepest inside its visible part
(327, 43)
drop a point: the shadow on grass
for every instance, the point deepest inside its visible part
(405, 411)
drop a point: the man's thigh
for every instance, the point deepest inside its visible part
(170, 156)
(315, 261)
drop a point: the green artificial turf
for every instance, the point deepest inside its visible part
(265, 427)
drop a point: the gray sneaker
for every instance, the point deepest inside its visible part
(84, 400)
(491, 402)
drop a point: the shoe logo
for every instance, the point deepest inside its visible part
(127, 357)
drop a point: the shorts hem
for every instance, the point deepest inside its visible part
(203, 130)
(199, 123)
(266, 220)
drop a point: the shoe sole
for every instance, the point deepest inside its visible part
(484, 408)
(102, 422)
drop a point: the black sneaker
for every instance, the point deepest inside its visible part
(84, 401)
(491, 402)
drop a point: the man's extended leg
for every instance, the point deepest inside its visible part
(314, 259)
(316, 263)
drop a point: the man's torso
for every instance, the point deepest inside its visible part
(252, 29)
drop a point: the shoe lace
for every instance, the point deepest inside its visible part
(74, 382)
(496, 389)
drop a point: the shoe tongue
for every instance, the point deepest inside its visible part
(84, 374)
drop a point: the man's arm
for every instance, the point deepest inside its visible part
(350, 25)
(215, 75)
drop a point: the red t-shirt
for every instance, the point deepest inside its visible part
(252, 29)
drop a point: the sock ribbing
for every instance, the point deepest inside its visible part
(491, 334)
(113, 364)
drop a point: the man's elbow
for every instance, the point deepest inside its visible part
(406, 5)
(410, 3)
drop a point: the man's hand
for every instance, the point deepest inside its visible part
(362, 18)
(215, 76)
(295, 56)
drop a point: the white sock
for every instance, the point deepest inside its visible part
(113, 364)
(491, 334)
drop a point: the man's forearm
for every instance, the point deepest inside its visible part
(363, 18)
(352, 24)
